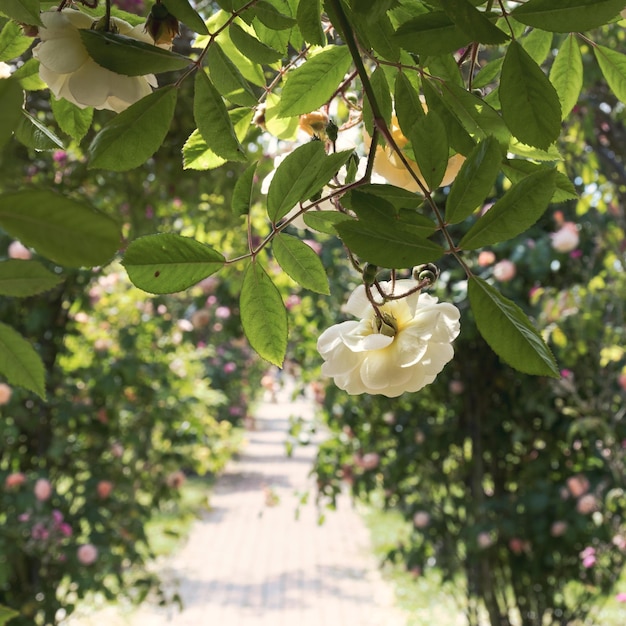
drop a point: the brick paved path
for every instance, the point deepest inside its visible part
(250, 562)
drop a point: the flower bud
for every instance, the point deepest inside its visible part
(161, 25)
(427, 272)
(369, 273)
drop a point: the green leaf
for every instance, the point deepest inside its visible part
(394, 246)
(302, 174)
(128, 56)
(71, 119)
(167, 263)
(566, 74)
(530, 105)
(6, 615)
(312, 84)
(566, 16)
(25, 278)
(538, 44)
(242, 192)
(407, 102)
(227, 79)
(431, 34)
(430, 148)
(381, 208)
(63, 230)
(270, 16)
(518, 209)
(474, 181)
(475, 115)
(517, 169)
(184, 12)
(129, 139)
(33, 134)
(263, 315)
(308, 17)
(19, 363)
(251, 47)
(324, 221)
(13, 42)
(473, 23)
(213, 121)
(28, 75)
(11, 102)
(613, 66)
(398, 197)
(198, 156)
(458, 137)
(22, 11)
(300, 262)
(380, 87)
(508, 331)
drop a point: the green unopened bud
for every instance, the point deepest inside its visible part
(161, 25)
(104, 25)
(426, 273)
(332, 130)
(369, 273)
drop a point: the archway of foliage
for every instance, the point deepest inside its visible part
(440, 136)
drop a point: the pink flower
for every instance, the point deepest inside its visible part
(87, 554)
(39, 532)
(621, 380)
(65, 529)
(18, 250)
(578, 485)
(621, 597)
(484, 540)
(588, 556)
(369, 461)
(230, 367)
(504, 271)
(486, 257)
(222, 312)
(566, 238)
(587, 504)
(5, 393)
(57, 516)
(517, 545)
(421, 519)
(14, 480)
(42, 489)
(558, 528)
(104, 489)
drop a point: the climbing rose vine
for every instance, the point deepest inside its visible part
(400, 346)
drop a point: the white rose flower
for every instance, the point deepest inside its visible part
(69, 71)
(405, 353)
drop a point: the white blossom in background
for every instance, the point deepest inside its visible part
(69, 71)
(5, 70)
(405, 353)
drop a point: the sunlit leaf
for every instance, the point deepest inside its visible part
(132, 137)
(263, 315)
(167, 263)
(299, 261)
(71, 119)
(227, 78)
(19, 363)
(33, 134)
(186, 14)
(242, 192)
(22, 11)
(11, 102)
(508, 331)
(566, 74)
(431, 34)
(13, 42)
(308, 17)
(613, 66)
(312, 84)
(430, 147)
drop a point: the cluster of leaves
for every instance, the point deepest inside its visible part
(478, 66)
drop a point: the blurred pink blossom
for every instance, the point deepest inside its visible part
(588, 556)
(421, 519)
(578, 485)
(14, 480)
(42, 489)
(230, 367)
(566, 238)
(621, 597)
(486, 257)
(558, 528)
(222, 312)
(5, 393)
(87, 554)
(587, 504)
(504, 271)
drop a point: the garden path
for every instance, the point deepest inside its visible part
(259, 557)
